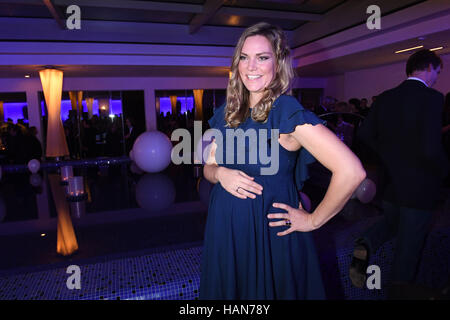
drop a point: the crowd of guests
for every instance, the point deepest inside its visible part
(99, 136)
(18, 143)
(168, 122)
(86, 138)
(348, 117)
(354, 105)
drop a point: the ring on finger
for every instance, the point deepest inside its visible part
(288, 222)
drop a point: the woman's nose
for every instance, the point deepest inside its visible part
(252, 64)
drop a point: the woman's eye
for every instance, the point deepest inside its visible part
(263, 58)
(242, 58)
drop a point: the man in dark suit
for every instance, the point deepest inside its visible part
(403, 128)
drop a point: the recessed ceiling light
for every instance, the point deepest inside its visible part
(438, 48)
(409, 49)
(27, 76)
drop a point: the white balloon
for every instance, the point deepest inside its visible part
(155, 192)
(366, 191)
(152, 151)
(35, 180)
(34, 165)
(132, 155)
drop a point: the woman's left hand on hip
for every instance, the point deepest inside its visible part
(297, 219)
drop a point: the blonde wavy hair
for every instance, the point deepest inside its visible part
(237, 109)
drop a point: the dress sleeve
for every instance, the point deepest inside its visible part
(291, 114)
(294, 114)
(218, 118)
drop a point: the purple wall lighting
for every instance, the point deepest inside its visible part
(187, 103)
(66, 106)
(14, 111)
(116, 107)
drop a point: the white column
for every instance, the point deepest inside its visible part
(42, 205)
(34, 113)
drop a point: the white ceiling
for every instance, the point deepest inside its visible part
(108, 20)
(377, 57)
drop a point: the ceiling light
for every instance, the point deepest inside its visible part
(233, 20)
(438, 48)
(27, 76)
(409, 49)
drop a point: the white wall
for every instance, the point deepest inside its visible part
(370, 82)
(334, 87)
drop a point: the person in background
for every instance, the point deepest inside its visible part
(354, 105)
(113, 139)
(342, 106)
(403, 128)
(131, 134)
(446, 124)
(325, 106)
(88, 139)
(33, 145)
(446, 132)
(374, 98)
(364, 108)
(344, 131)
(15, 142)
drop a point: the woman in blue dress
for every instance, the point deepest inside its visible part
(257, 242)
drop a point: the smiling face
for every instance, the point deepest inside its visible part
(256, 66)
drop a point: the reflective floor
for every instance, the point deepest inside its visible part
(124, 210)
(139, 236)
